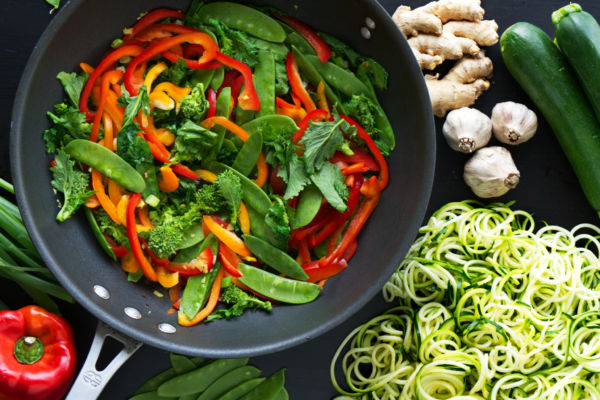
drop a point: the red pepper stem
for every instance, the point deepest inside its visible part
(28, 350)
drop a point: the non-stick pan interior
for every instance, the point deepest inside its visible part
(82, 32)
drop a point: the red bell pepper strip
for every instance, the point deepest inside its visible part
(131, 51)
(315, 116)
(119, 251)
(320, 221)
(334, 237)
(248, 99)
(322, 49)
(303, 252)
(193, 64)
(230, 261)
(161, 31)
(200, 265)
(236, 88)
(355, 168)
(293, 73)
(284, 104)
(192, 50)
(372, 192)
(109, 78)
(358, 157)
(37, 355)
(351, 251)
(340, 218)
(134, 241)
(212, 103)
(152, 18)
(276, 182)
(184, 171)
(317, 273)
(228, 79)
(383, 174)
(133, 85)
(153, 139)
(156, 260)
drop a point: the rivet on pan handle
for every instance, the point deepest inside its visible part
(90, 382)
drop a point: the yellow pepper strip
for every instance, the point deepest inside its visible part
(107, 205)
(244, 219)
(128, 262)
(323, 105)
(206, 175)
(175, 92)
(215, 291)
(144, 218)
(167, 278)
(153, 74)
(87, 68)
(165, 136)
(161, 100)
(115, 192)
(247, 258)
(122, 210)
(297, 114)
(143, 118)
(228, 238)
(167, 181)
(261, 164)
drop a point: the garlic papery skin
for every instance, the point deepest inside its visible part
(491, 172)
(467, 129)
(513, 123)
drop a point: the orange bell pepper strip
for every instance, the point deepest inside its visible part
(134, 241)
(128, 263)
(165, 136)
(150, 19)
(167, 181)
(296, 83)
(153, 74)
(117, 89)
(228, 238)
(111, 107)
(206, 175)
(323, 105)
(261, 164)
(244, 219)
(296, 114)
(144, 218)
(122, 210)
(230, 261)
(284, 104)
(108, 132)
(105, 202)
(358, 167)
(167, 278)
(115, 192)
(92, 202)
(175, 92)
(108, 78)
(87, 68)
(210, 306)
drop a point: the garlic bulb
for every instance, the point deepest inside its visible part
(513, 123)
(491, 172)
(467, 129)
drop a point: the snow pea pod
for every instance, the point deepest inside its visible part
(151, 193)
(308, 205)
(243, 116)
(278, 288)
(282, 395)
(381, 120)
(340, 78)
(217, 79)
(242, 18)
(294, 39)
(253, 196)
(249, 153)
(228, 144)
(222, 110)
(188, 254)
(315, 77)
(264, 81)
(229, 381)
(198, 361)
(279, 124)
(153, 383)
(257, 223)
(98, 234)
(270, 46)
(196, 293)
(269, 388)
(181, 364)
(193, 235)
(107, 162)
(241, 390)
(151, 396)
(275, 258)
(199, 380)
(203, 76)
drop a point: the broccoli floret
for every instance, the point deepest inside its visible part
(111, 228)
(164, 240)
(363, 110)
(209, 199)
(73, 184)
(241, 301)
(195, 105)
(61, 109)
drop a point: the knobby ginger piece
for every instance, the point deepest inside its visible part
(469, 10)
(422, 19)
(484, 33)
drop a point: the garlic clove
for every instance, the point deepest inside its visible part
(491, 172)
(467, 129)
(513, 123)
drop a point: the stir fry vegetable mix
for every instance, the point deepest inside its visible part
(209, 148)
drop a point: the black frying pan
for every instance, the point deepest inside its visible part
(82, 32)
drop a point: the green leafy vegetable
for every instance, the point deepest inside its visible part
(230, 188)
(277, 224)
(195, 105)
(111, 228)
(56, 138)
(340, 48)
(134, 104)
(374, 71)
(330, 182)
(192, 18)
(193, 143)
(132, 148)
(53, 3)
(282, 83)
(363, 110)
(241, 301)
(322, 139)
(177, 72)
(73, 84)
(73, 184)
(72, 121)
(236, 44)
(295, 176)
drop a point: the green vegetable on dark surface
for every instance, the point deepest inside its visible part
(241, 301)
(278, 288)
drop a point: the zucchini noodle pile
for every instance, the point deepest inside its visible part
(489, 309)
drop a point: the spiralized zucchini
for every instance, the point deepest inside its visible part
(490, 308)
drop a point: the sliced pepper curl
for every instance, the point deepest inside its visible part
(248, 99)
(210, 306)
(134, 241)
(160, 31)
(230, 239)
(291, 67)
(150, 19)
(167, 181)
(109, 78)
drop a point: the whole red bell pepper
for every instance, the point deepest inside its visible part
(150, 19)
(372, 193)
(291, 67)
(322, 49)
(248, 99)
(37, 355)
(134, 241)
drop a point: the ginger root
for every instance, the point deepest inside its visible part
(422, 19)
(465, 82)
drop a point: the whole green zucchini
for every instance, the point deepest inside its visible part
(578, 37)
(544, 73)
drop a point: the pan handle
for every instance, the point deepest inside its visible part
(90, 382)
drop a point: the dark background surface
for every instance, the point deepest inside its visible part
(548, 188)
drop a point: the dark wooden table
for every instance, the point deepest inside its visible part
(548, 188)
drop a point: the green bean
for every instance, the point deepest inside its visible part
(151, 193)
(192, 236)
(315, 77)
(246, 159)
(217, 79)
(98, 234)
(282, 395)
(243, 116)
(275, 258)
(196, 293)
(181, 364)
(309, 205)
(229, 381)
(269, 388)
(199, 380)
(253, 196)
(17, 231)
(241, 390)
(257, 223)
(294, 39)
(198, 361)
(381, 120)
(264, 82)
(107, 162)
(203, 76)
(242, 18)
(277, 287)
(340, 78)
(279, 124)
(151, 396)
(222, 110)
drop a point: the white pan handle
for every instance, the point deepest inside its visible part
(90, 382)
